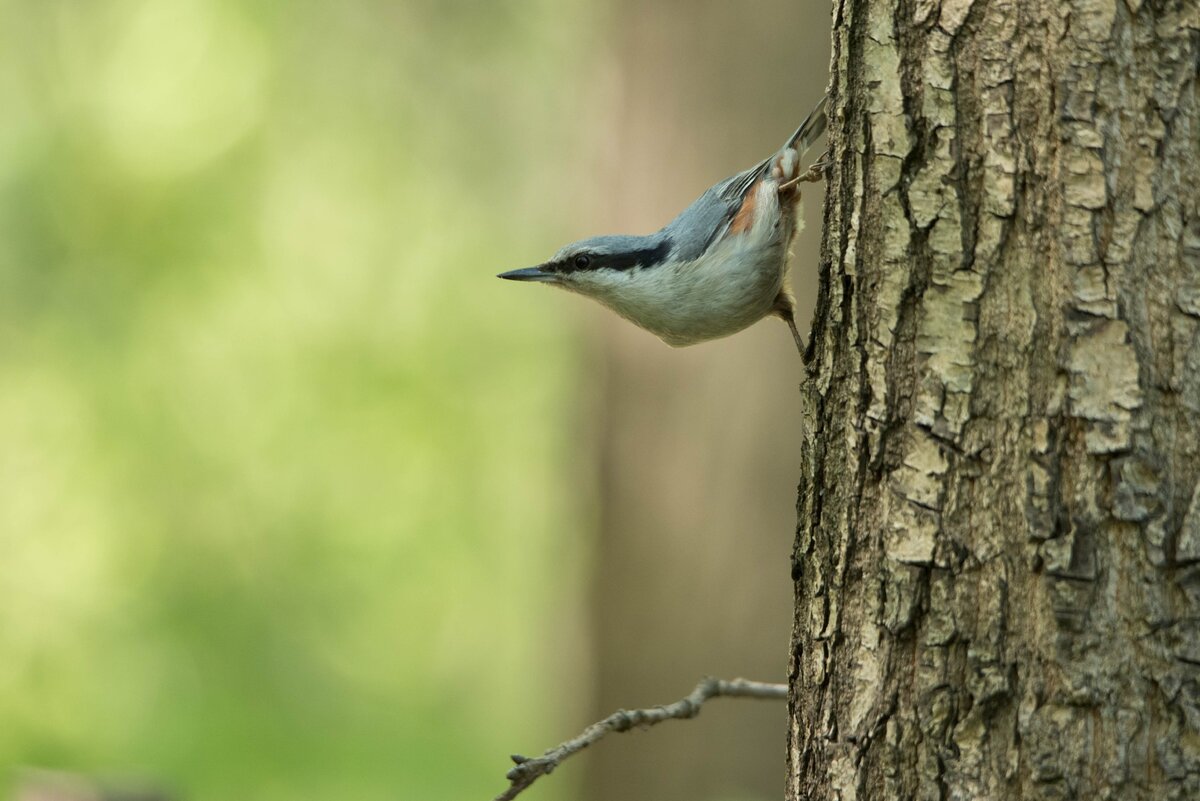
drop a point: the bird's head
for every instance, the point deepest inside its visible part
(593, 266)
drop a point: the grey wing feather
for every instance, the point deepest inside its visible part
(709, 216)
(700, 223)
(813, 126)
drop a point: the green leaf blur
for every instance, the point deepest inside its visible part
(285, 473)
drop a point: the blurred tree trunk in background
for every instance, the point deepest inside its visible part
(698, 446)
(998, 558)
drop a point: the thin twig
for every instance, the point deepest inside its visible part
(529, 770)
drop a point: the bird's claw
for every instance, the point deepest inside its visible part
(818, 169)
(813, 174)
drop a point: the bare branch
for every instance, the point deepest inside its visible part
(529, 770)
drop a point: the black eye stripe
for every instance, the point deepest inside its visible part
(646, 257)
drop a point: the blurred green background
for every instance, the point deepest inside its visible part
(296, 500)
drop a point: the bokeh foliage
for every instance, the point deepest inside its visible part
(287, 479)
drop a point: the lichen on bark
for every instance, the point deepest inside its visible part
(997, 560)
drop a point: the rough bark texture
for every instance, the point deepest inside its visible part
(997, 562)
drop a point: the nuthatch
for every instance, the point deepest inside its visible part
(713, 270)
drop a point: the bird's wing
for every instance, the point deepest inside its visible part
(707, 219)
(711, 216)
(733, 190)
(737, 191)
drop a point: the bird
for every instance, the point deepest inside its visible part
(717, 268)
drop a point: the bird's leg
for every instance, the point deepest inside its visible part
(791, 321)
(813, 174)
(784, 308)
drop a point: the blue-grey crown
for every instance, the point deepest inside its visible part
(614, 252)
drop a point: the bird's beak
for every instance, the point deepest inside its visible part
(530, 274)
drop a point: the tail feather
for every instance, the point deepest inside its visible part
(812, 127)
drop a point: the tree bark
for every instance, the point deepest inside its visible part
(997, 562)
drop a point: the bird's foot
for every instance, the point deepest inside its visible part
(813, 174)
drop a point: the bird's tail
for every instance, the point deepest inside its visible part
(812, 127)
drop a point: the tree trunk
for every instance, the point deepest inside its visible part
(997, 563)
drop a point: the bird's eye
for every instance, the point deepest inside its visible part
(582, 261)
